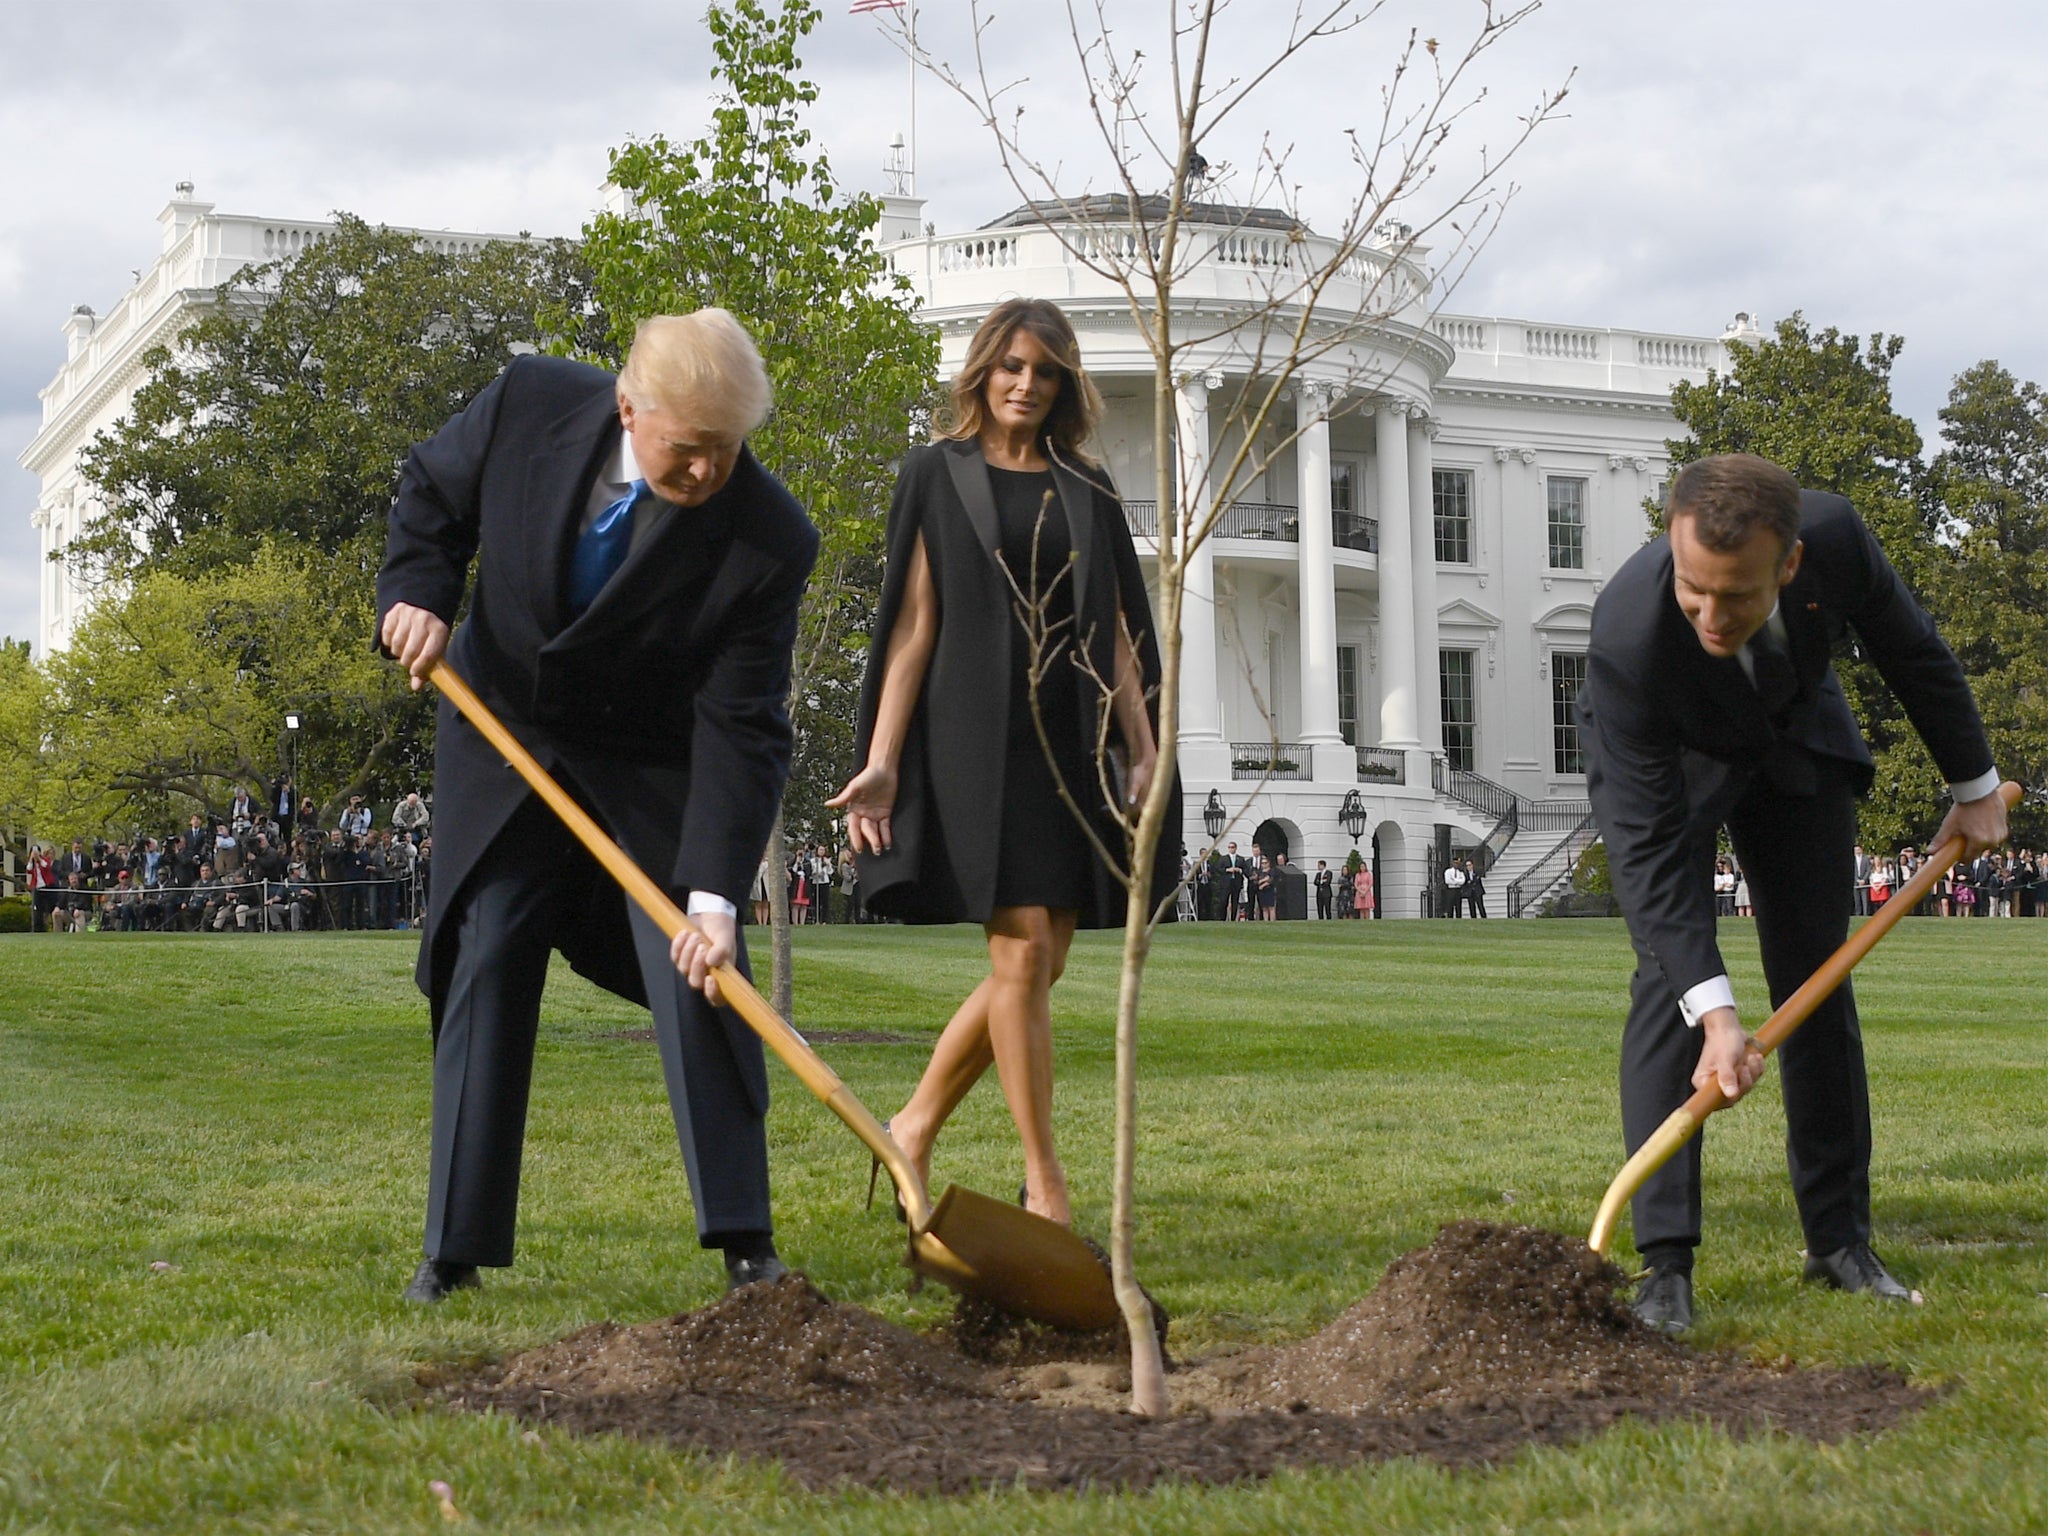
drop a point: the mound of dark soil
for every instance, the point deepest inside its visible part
(1484, 1311)
(1490, 1339)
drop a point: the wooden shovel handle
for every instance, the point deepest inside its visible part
(1793, 1012)
(739, 993)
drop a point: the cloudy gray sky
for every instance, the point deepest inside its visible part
(1877, 164)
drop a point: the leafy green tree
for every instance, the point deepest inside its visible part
(22, 711)
(174, 692)
(1820, 404)
(749, 218)
(1991, 490)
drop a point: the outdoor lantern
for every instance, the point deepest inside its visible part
(1352, 816)
(1214, 816)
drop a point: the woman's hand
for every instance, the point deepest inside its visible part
(869, 801)
(1138, 781)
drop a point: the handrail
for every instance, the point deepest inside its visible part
(1545, 872)
(1484, 796)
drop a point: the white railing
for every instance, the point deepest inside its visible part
(1259, 264)
(1672, 352)
(1465, 335)
(975, 255)
(1575, 346)
(290, 239)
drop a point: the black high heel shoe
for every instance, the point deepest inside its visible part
(895, 1195)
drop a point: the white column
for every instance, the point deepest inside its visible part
(1203, 752)
(1317, 579)
(1398, 721)
(1422, 519)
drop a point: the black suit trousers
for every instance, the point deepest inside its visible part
(518, 898)
(1798, 852)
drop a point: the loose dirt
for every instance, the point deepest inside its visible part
(1492, 1338)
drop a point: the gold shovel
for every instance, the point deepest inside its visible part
(980, 1247)
(1685, 1120)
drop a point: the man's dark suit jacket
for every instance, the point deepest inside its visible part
(664, 703)
(1675, 736)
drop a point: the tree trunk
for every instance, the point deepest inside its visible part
(782, 996)
(1148, 1365)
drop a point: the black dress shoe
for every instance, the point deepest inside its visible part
(753, 1271)
(435, 1278)
(1665, 1301)
(1856, 1268)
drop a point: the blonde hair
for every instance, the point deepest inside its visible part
(1076, 410)
(702, 367)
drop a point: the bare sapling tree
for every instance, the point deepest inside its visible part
(1304, 326)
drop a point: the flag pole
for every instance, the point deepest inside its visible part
(913, 98)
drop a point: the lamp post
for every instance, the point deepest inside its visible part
(292, 721)
(1214, 816)
(1352, 816)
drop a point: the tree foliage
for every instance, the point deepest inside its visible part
(172, 696)
(748, 217)
(1990, 489)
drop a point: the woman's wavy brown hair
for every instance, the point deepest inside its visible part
(1076, 409)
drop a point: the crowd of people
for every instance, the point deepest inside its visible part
(255, 867)
(822, 889)
(2001, 884)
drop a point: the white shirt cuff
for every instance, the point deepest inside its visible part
(1714, 992)
(710, 901)
(1974, 789)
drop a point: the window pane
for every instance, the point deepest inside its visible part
(1567, 524)
(1347, 694)
(1567, 677)
(1343, 486)
(1454, 689)
(1451, 490)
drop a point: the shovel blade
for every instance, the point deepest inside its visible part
(1024, 1264)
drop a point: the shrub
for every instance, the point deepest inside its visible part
(14, 914)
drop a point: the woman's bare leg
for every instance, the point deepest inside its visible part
(958, 1061)
(1012, 1007)
(1027, 949)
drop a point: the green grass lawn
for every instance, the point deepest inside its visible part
(1315, 1100)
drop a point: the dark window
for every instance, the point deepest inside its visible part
(1347, 693)
(1567, 677)
(1461, 720)
(1451, 490)
(1567, 524)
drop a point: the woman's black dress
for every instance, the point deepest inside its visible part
(1042, 857)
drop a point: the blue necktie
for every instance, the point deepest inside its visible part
(602, 549)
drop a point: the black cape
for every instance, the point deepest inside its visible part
(948, 817)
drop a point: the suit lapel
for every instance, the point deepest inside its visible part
(971, 483)
(558, 477)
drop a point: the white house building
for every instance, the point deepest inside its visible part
(1400, 601)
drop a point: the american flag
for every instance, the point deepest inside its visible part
(862, 7)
